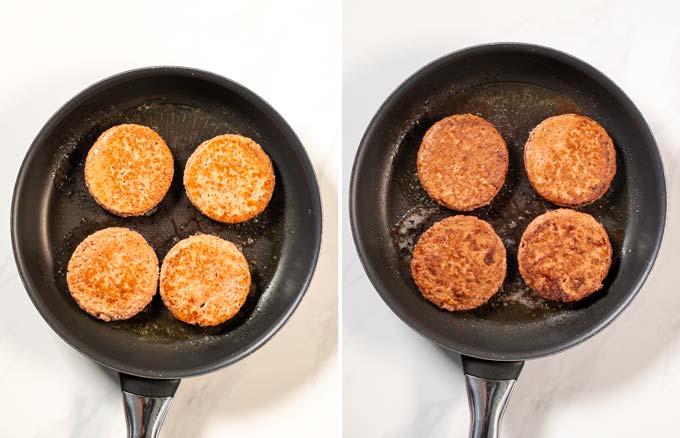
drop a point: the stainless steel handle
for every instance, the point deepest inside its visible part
(488, 399)
(145, 415)
(146, 403)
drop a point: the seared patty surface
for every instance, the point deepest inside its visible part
(229, 178)
(564, 255)
(459, 263)
(462, 162)
(129, 170)
(204, 280)
(113, 274)
(570, 160)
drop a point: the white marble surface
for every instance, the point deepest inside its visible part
(289, 53)
(625, 381)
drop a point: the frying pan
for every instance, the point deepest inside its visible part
(52, 212)
(515, 86)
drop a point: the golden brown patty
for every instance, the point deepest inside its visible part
(462, 162)
(204, 280)
(459, 263)
(113, 274)
(129, 170)
(229, 178)
(564, 255)
(570, 160)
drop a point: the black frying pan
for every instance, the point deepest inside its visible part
(515, 86)
(52, 212)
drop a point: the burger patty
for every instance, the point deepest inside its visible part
(462, 162)
(459, 263)
(113, 274)
(205, 280)
(570, 160)
(229, 178)
(129, 170)
(564, 255)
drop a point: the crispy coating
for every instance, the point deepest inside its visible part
(113, 274)
(129, 170)
(564, 255)
(570, 160)
(229, 178)
(459, 263)
(462, 162)
(204, 280)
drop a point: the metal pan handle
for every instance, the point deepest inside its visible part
(146, 403)
(489, 385)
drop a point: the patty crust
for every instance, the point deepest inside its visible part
(564, 255)
(459, 263)
(205, 280)
(570, 160)
(462, 162)
(113, 274)
(229, 178)
(129, 170)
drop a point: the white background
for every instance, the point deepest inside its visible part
(622, 383)
(288, 53)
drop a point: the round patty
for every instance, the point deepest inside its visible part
(459, 263)
(462, 162)
(129, 170)
(229, 178)
(204, 280)
(564, 255)
(570, 160)
(113, 274)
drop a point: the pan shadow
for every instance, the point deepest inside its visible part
(292, 359)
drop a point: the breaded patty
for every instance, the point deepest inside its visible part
(204, 280)
(229, 178)
(113, 274)
(459, 263)
(129, 170)
(570, 160)
(462, 162)
(564, 255)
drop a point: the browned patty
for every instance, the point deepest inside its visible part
(229, 178)
(462, 162)
(129, 169)
(564, 255)
(459, 263)
(570, 160)
(204, 280)
(113, 274)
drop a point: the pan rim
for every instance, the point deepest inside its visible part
(308, 173)
(413, 80)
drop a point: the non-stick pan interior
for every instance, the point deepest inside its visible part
(54, 213)
(515, 87)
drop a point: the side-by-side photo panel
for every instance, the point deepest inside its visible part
(172, 212)
(507, 202)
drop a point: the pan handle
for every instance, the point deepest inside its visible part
(146, 403)
(489, 385)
